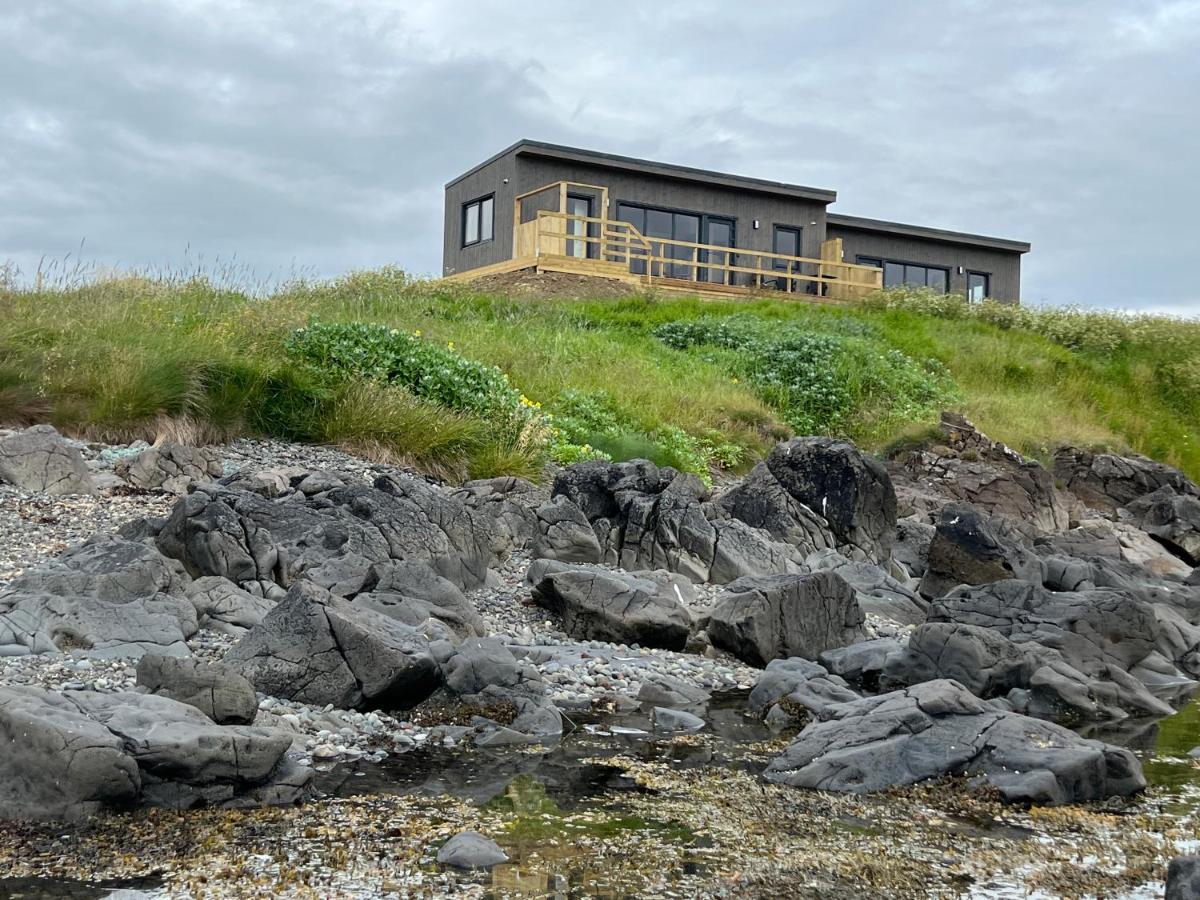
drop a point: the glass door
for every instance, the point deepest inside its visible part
(579, 206)
(720, 232)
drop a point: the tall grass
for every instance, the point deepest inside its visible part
(118, 358)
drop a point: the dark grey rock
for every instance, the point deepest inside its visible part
(480, 662)
(777, 616)
(216, 690)
(223, 606)
(660, 689)
(170, 467)
(675, 721)
(471, 850)
(412, 592)
(1118, 543)
(803, 684)
(47, 623)
(1172, 518)
(107, 568)
(762, 502)
(849, 489)
(863, 663)
(879, 594)
(1183, 878)
(911, 548)
(982, 660)
(317, 648)
(971, 548)
(38, 459)
(565, 534)
(510, 502)
(939, 728)
(595, 604)
(1105, 481)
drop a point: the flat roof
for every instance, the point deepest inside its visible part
(879, 226)
(527, 147)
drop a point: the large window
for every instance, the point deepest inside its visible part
(979, 286)
(478, 220)
(900, 274)
(670, 224)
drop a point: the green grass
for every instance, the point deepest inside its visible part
(131, 357)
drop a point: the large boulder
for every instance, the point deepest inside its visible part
(1171, 518)
(971, 548)
(67, 756)
(1116, 541)
(170, 467)
(224, 607)
(48, 623)
(597, 604)
(332, 539)
(318, 648)
(412, 592)
(509, 502)
(939, 728)
(761, 501)
(564, 533)
(848, 489)
(216, 690)
(1105, 481)
(981, 659)
(796, 685)
(107, 568)
(971, 468)
(38, 459)
(778, 616)
(879, 594)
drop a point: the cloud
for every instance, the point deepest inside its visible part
(317, 135)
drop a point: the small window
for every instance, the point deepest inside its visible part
(979, 286)
(787, 242)
(870, 261)
(478, 220)
(893, 274)
(938, 279)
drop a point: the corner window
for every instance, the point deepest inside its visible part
(478, 220)
(903, 274)
(979, 286)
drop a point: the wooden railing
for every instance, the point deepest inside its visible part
(558, 234)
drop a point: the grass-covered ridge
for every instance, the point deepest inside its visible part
(469, 384)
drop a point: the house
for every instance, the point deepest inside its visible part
(678, 228)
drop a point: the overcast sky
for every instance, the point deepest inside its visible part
(315, 137)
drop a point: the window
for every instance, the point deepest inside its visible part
(478, 220)
(785, 240)
(654, 222)
(902, 274)
(979, 286)
(580, 206)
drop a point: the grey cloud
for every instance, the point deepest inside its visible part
(319, 134)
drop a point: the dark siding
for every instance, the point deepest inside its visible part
(743, 205)
(1003, 266)
(487, 180)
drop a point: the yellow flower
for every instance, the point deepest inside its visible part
(417, 333)
(734, 380)
(449, 345)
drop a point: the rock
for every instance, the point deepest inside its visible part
(216, 690)
(510, 502)
(564, 533)
(801, 684)
(762, 502)
(45, 623)
(850, 490)
(595, 604)
(1117, 541)
(69, 756)
(1183, 878)
(222, 606)
(939, 728)
(1194, 578)
(107, 568)
(879, 594)
(971, 548)
(740, 550)
(478, 663)
(675, 721)
(982, 660)
(170, 467)
(56, 762)
(1171, 518)
(317, 648)
(38, 459)
(412, 592)
(971, 468)
(471, 850)
(777, 616)
(660, 689)
(333, 539)
(1105, 481)
(861, 664)
(911, 548)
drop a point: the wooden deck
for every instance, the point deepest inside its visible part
(551, 240)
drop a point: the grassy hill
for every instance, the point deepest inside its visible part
(403, 369)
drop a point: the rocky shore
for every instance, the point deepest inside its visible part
(272, 668)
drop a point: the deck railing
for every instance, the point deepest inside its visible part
(560, 235)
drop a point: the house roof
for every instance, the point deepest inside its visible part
(527, 147)
(879, 226)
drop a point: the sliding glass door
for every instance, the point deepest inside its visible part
(673, 225)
